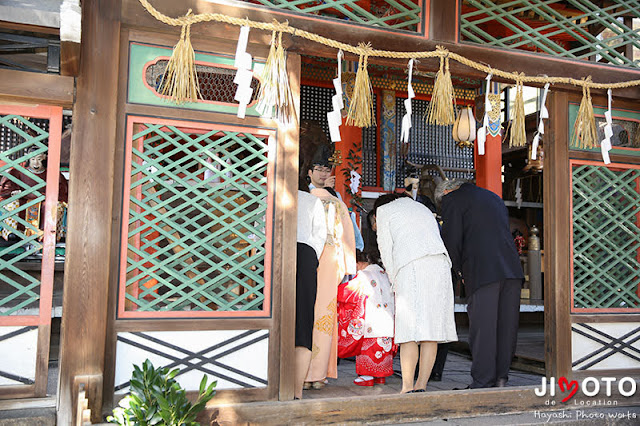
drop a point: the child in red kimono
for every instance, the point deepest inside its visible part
(365, 323)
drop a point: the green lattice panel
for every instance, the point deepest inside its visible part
(196, 236)
(18, 289)
(606, 237)
(579, 29)
(395, 14)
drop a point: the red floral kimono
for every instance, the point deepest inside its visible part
(367, 294)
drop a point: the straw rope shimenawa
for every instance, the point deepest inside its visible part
(364, 50)
(441, 110)
(180, 80)
(275, 91)
(585, 133)
(361, 106)
(518, 134)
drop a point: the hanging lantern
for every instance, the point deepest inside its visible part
(464, 129)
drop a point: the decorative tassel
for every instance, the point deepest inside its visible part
(584, 131)
(285, 110)
(518, 135)
(180, 80)
(275, 91)
(441, 110)
(361, 106)
(268, 92)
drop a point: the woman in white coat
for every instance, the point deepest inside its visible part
(419, 269)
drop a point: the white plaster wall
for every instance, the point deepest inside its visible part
(18, 354)
(581, 346)
(252, 359)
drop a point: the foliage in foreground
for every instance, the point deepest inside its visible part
(156, 398)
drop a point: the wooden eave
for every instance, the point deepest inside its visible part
(32, 87)
(134, 15)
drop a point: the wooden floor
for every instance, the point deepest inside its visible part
(456, 372)
(456, 375)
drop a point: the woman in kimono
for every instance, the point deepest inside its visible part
(337, 260)
(365, 324)
(419, 268)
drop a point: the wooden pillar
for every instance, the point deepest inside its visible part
(489, 165)
(557, 221)
(84, 319)
(443, 20)
(286, 226)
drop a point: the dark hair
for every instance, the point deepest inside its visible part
(368, 256)
(370, 219)
(303, 185)
(315, 147)
(386, 199)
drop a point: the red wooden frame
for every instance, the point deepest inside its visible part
(572, 163)
(43, 319)
(54, 115)
(196, 127)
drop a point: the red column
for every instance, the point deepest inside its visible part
(351, 139)
(489, 165)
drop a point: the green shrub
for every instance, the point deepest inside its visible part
(157, 399)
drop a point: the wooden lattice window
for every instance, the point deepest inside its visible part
(21, 236)
(605, 237)
(195, 221)
(370, 152)
(578, 29)
(394, 14)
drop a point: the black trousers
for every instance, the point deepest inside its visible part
(493, 311)
(306, 290)
(441, 358)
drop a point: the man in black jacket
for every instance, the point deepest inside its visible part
(476, 233)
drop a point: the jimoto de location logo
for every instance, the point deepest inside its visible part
(590, 386)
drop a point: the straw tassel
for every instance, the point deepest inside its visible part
(518, 136)
(361, 106)
(275, 91)
(268, 91)
(180, 80)
(584, 131)
(441, 110)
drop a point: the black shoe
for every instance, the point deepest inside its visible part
(468, 387)
(435, 377)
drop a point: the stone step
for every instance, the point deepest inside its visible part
(28, 417)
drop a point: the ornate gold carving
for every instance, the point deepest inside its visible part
(494, 114)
